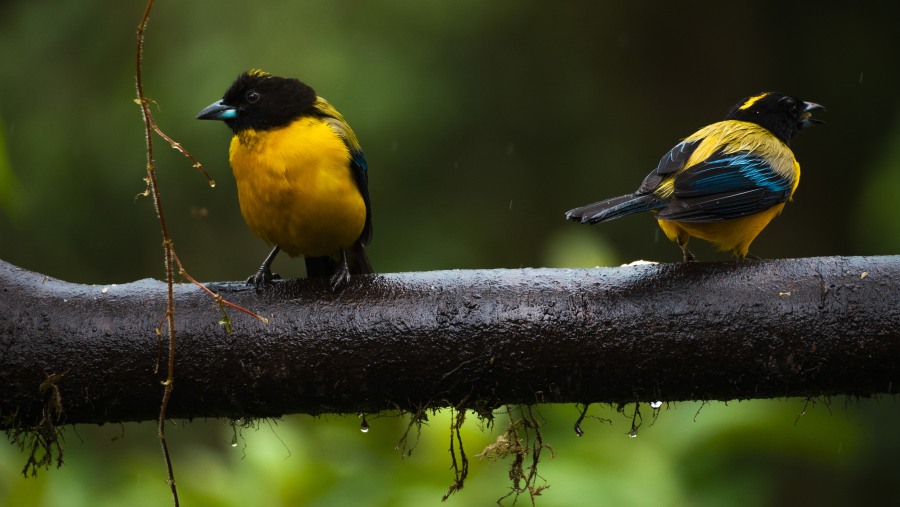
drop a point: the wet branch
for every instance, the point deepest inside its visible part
(467, 339)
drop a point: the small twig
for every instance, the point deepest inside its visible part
(461, 467)
(167, 245)
(171, 258)
(217, 298)
(416, 418)
(581, 416)
(176, 145)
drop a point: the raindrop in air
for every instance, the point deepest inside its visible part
(655, 404)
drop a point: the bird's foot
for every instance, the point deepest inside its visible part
(688, 256)
(262, 278)
(752, 257)
(340, 278)
(342, 273)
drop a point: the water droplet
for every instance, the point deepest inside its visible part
(632, 433)
(655, 404)
(212, 183)
(104, 290)
(364, 426)
(234, 440)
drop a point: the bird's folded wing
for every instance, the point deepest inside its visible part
(358, 165)
(671, 162)
(726, 186)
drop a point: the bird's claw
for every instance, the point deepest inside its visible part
(262, 279)
(342, 273)
(340, 278)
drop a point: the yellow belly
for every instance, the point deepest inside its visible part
(727, 235)
(295, 188)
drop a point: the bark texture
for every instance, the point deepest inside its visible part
(477, 339)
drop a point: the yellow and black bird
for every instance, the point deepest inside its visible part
(725, 182)
(301, 175)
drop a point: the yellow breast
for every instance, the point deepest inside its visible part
(296, 189)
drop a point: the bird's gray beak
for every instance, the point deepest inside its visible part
(806, 118)
(218, 111)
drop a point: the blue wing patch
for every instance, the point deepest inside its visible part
(360, 170)
(728, 173)
(724, 187)
(358, 159)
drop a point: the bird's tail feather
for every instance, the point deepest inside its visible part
(326, 266)
(616, 207)
(320, 267)
(358, 260)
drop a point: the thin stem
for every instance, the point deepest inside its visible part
(171, 259)
(218, 299)
(149, 127)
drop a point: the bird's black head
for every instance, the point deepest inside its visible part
(261, 101)
(780, 114)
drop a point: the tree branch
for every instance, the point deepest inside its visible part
(470, 339)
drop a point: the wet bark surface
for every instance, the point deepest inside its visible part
(476, 339)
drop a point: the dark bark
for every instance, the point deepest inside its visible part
(479, 339)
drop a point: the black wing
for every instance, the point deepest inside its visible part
(726, 186)
(671, 162)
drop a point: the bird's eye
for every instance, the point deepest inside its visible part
(252, 96)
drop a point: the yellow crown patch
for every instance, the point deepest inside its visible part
(752, 100)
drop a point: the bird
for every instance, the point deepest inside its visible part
(301, 175)
(725, 182)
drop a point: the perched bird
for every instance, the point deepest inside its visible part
(301, 175)
(725, 182)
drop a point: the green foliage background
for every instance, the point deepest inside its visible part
(482, 122)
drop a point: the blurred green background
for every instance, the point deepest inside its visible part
(482, 123)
